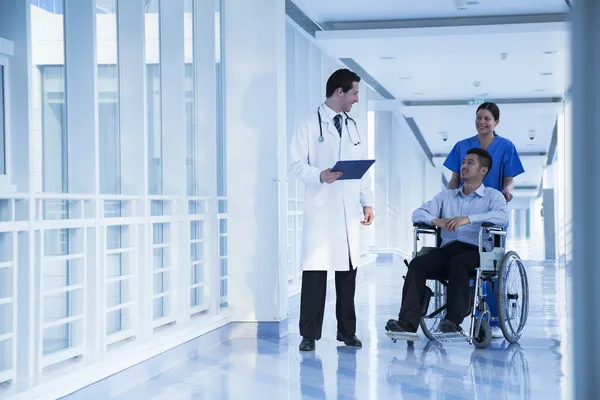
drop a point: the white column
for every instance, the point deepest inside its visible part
(256, 152)
(132, 70)
(83, 171)
(81, 80)
(585, 195)
(172, 64)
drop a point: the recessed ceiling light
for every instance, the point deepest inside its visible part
(418, 93)
(540, 90)
(472, 3)
(545, 73)
(388, 58)
(551, 52)
(404, 78)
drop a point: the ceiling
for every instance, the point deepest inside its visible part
(514, 52)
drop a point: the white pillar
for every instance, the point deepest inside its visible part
(132, 67)
(586, 196)
(172, 65)
(82, 110)
(255, 110)
(82, 132)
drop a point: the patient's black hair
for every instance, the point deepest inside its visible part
(485, 159)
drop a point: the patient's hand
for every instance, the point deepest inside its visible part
(453, 223)
(440, 223)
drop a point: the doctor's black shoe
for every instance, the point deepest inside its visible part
(399, 326)
(447, 326)
(307, 344)
(349, 340)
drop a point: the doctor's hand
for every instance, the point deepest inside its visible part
(507, 194)
(369, 216)
(452, 224)
(329, 177)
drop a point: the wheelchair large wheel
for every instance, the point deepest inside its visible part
(436, 309)
(513, 296)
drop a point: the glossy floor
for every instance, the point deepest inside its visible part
(538, 367)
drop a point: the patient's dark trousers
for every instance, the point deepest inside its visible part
(455, 262)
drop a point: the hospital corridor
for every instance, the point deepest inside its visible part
(299, 199)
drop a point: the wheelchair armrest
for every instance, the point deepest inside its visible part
(423, 225)
(491, 227)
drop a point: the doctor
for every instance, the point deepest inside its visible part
(334, 211)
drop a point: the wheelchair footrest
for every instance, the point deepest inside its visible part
(406, 336)
(450, 337)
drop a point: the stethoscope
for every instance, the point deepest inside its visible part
(322, 139)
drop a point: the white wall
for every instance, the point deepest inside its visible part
(537, 246)
(404, 180)
(564, 212)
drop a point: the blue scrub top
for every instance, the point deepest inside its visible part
(505, 160)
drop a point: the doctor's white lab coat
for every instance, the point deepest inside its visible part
(332, 212)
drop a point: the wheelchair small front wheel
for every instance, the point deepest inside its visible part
(483, 338)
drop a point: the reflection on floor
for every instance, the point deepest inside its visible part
(535, 368)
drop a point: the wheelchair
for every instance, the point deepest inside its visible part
(503, 270)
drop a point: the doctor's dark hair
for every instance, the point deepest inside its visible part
(491, 107)
(485, 159)
(342, 78)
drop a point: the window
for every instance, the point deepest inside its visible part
(2, 123)
(62, 296)
(221, 152)
(160, 240)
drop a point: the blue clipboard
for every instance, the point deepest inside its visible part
(352, 169)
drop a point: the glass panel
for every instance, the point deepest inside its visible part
(190, 100)
(2, 125)
(154, 133)
(197, 296)
(118, 320)
(221, 141)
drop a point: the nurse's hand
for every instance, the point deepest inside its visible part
(369, 216)
(329, 177)
(507, 194)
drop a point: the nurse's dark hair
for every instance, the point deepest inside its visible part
(491, 107)
(485, 159)
(342, 78)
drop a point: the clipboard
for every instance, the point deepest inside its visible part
(352, 169)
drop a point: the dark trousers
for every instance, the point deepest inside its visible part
(312, 302)
(456, 263)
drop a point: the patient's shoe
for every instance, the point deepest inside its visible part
(447, 326)
(399, 326)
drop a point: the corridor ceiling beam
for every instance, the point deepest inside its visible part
(447, 22)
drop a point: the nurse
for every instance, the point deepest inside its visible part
(506, 165)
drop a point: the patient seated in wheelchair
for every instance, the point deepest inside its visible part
(458, 213)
